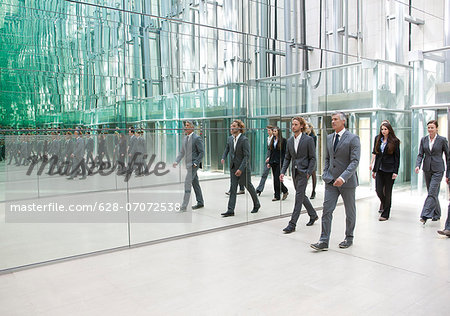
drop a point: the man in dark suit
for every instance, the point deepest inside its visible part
(78, 157)
(192, 152)
(339, 175)
(131, 148)
(141, 151)
(90, 150)
(240, 172)
(301, 151)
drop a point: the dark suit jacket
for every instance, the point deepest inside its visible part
(192, 150)
(239, 158)
(304, 160)
(432, 160)
(122, 147)
(387, 162)
(276, 156)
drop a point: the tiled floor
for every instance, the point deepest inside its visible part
(398, 267)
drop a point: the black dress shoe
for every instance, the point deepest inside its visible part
(345, 244)
(320, 246)
(255, 209)
(197, 206)
(435, 219)
(312, 220)
(313, 195)
(289, 229)
(241, 192)
(228, 213)
(258, 192)
(445, 232)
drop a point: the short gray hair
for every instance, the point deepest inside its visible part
(191, 123)
(342, 115)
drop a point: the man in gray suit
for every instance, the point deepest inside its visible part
(240, 172)
(339, 175)
(301, 150)
(192, 151)
(78, 157)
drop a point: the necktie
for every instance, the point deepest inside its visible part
(336, 141)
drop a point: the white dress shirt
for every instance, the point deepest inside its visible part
(236, 140)
(432, 141)
(340, 137)
(297, 141)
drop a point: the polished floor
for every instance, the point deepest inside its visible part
(34, 242)
(398, 267)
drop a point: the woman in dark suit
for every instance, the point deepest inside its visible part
(385, 169)
(430, 152)
(277, 149)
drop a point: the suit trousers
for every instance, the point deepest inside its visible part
(264, 176)
(300, 183)
(329, 204)
(431, 207)
(90, 158)
(192, 181)
(447, 223)
(383, 186)
(100, 160)
(245, 179)
(78, 163)
(277, 184)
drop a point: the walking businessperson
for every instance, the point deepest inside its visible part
(310, 132)
(277, 150)
(385, 169)
(266, 171)
(192, 151)
(446, 230)
(302, 152)
(431, 149)
(339, 174)
(238, 147)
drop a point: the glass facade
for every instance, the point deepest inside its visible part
(108, 66)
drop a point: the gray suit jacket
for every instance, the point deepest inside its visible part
(132, 145)
(239, 157)
(78, 152)
(344, 161)
(304, 160)
(192, 150)
(89, 145)
(140, 145)
(432, 162)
